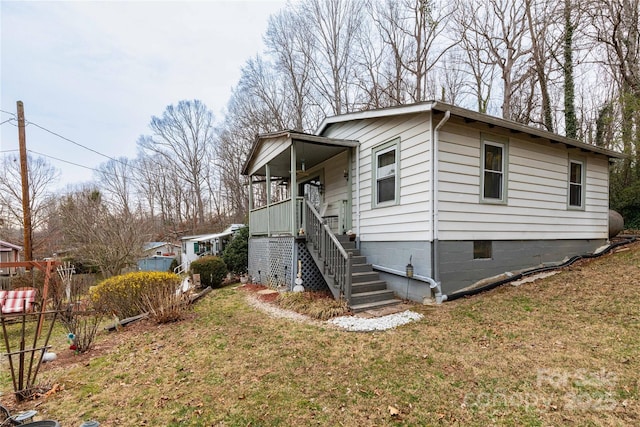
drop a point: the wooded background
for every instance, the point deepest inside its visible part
(565, 66)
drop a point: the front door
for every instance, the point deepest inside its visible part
(310, 190)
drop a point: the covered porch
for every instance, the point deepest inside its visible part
(287, 167)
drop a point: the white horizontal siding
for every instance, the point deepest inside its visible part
(536, 192)
(537, 186)
(409, 220)
(335, 184)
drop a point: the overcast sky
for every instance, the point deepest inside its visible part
(95, 72)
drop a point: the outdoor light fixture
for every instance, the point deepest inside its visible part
(410, 268)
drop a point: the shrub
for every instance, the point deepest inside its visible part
(79, 316)
(236, 254)
(212, 270)
(173, 266)
(139, 292)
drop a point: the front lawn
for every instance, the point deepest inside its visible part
(560, 351)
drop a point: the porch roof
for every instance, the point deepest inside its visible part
(8, 247)
(274, 149)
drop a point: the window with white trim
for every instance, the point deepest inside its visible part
(576, 184)
(494, 170)
(385, 164)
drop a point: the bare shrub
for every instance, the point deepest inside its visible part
(317, 305)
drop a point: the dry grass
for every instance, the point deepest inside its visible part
(317, 305)
(562, 351)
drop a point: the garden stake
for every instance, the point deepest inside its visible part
(6, 343)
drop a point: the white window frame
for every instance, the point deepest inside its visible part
(494, 142)
(390, 170)
(582, 185)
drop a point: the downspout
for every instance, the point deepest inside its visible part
(357, 176)
(435, 273)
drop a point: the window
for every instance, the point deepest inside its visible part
(494, 172)
(576, 184)
(385, 161)
(482, 249)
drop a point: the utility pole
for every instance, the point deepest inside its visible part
(26, 210)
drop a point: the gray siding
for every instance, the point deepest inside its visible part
(395, 256)
(459, 270)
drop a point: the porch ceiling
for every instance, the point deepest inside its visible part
(311, 149)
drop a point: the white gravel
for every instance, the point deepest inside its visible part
(349, 323)
(382, 323)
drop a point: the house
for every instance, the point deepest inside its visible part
(194, 247)
(9, 253)
(158, 256)
(437, 196)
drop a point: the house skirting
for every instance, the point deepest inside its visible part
(457, 267)
(273, 262)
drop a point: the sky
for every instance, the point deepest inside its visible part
(95, 72)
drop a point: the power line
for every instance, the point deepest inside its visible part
(8, 112)
(126, 164)
(61, 160)
(75, 143)
(8, 120)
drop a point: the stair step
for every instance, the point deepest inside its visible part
(366, 276)
(343, 238)
(353, 252)
(359, 259)
(371, 296)
(348, 245)
(374, 285)
(361, 268)
(373, 305)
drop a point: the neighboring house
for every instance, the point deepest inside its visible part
(194, 247)
(502, 197)
(158, 256)
(9, 253)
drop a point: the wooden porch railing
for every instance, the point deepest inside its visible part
(336, 260)
(276, 218)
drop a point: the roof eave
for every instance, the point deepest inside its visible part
(522, 128)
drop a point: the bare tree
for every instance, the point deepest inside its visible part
(184, 138)
(115, 178)
(498, 29)
(290, 47)
(541, 17)
(112, 241)
(334, 25)
(41, 176)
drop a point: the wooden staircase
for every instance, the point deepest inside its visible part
(345, 270)
(368, 292)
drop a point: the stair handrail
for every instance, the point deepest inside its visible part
(180, 269)
(336, 260)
